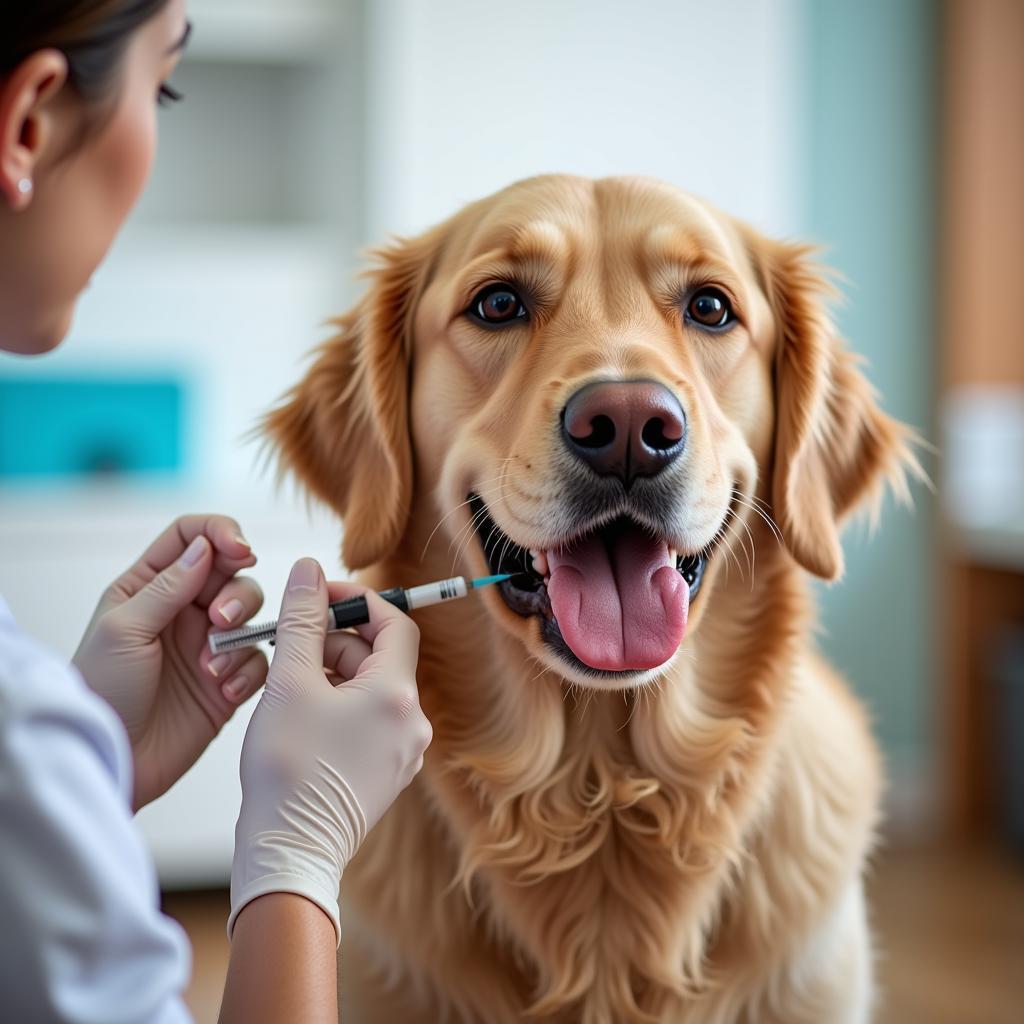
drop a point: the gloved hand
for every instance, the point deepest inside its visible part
(327, 749)
(145, 650)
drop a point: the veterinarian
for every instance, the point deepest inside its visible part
(81, 747)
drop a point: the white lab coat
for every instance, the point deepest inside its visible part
(81, 935)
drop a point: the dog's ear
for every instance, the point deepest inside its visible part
(834, 448)
(344, 429)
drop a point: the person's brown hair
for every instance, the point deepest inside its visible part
(92, 34)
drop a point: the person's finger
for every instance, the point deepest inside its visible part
(223, 665)
(224, 569)
(232, 551)
(392, 632)
(341, 590)
(402, 633)
(223, 533)
(247, 679)
(344, 653)
(301, 626)
(156, 605)
(236, 602)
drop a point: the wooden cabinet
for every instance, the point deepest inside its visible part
(982, 338)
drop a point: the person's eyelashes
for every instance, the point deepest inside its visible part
(168, 95)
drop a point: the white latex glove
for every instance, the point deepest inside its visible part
(145, 650)
(337, 735)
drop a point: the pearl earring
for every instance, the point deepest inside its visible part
(25, 186)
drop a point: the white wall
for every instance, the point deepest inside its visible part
(468, 96)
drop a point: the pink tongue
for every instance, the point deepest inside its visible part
(619, 605)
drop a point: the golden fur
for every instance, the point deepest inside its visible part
(687, 848)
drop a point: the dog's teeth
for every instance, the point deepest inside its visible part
(540, 562)
(673, 556)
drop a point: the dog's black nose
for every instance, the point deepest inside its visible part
(626, 429)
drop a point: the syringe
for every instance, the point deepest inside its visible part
(354, 611)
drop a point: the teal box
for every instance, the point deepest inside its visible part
(77, 427)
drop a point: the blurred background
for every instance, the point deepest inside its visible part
(892, 133)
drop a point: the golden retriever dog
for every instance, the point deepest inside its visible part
(648, 799)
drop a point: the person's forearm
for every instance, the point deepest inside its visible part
(283, 964)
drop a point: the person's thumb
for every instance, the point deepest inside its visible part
(156, 605)
(302, 626)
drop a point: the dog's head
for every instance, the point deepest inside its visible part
(593, 385)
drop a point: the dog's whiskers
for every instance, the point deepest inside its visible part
(469, 534)
(753, 503)
(497, 489)
(443, 519)
(483, 489)
(626, 694)
(504, 549)
(448, 515)
(473, 521)
(752, 561)
(731, 533)
(469, 530)
(543, 669)
(440, 523)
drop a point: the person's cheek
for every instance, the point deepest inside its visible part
(124, 165)
(137, 149)
(94, 196)
(105, 185)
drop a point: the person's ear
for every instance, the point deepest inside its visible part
(27, 122)
(344, 429)
(834, 447)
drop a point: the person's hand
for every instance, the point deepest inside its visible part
(337, 735)
(146, 653)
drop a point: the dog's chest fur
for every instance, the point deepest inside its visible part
(603, 886)
(591, 874)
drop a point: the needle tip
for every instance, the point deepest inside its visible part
(486, 581)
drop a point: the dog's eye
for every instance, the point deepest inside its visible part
(497, 304)
(710, 308)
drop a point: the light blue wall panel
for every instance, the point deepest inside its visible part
(57, 428)
(871, 144)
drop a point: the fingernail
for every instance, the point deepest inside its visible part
(239, 539)
(236, 689)
(194, 552)
(218, 664)
(230, 610)
(305, 575)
